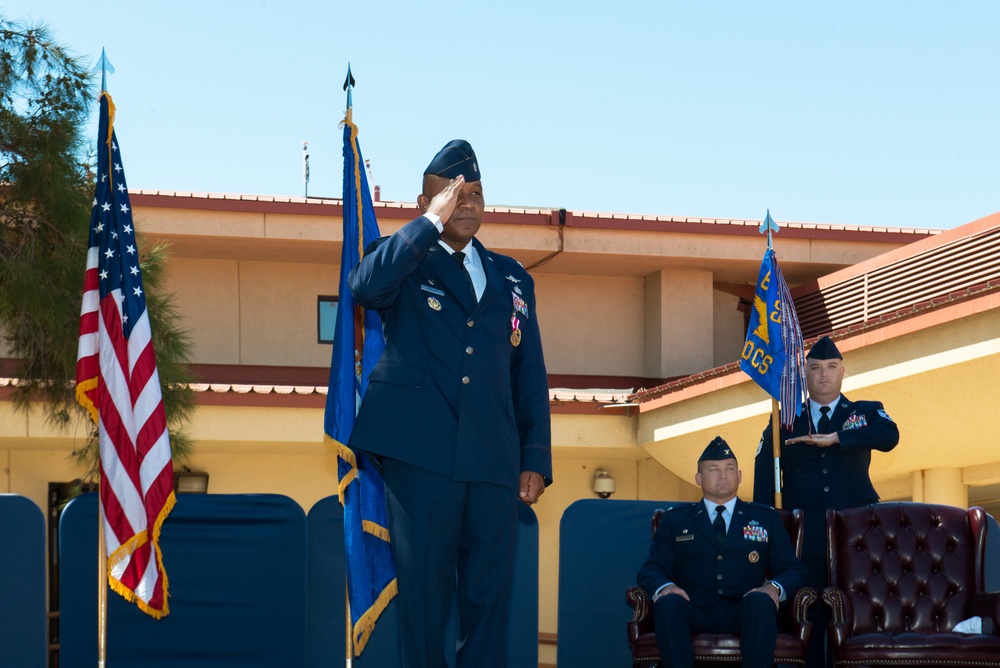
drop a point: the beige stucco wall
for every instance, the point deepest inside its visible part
(591, 325)
(278, 305)
(259, 313)
(728, 327)
(34, 452)
(251, 312)
(207, 294)
(678, 317)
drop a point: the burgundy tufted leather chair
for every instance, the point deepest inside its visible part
(901, 576)
(725, 647)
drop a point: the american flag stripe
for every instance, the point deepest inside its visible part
(118, 383)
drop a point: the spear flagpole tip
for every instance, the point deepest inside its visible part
(768, 226)
(349, 86)
(105, 67)
(349, 81)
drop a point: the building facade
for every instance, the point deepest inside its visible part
(643, 319)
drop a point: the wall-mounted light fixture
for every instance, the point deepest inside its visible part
(604, 484)
(190, 482)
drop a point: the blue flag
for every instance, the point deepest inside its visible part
(357, 346)
(773, 353)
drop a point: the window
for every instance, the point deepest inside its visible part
(326, 318)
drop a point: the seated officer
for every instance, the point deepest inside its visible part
(706, 568)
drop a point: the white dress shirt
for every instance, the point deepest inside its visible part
(473, 263)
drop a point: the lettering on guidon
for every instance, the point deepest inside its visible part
(757, 357)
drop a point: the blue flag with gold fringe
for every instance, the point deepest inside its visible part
(773, 353)
(357, 346)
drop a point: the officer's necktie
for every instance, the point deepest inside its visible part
(824, 421)
(459, 257)
(719, 523)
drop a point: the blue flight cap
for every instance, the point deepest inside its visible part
(457, 157)
(717, 450)
(824, 349)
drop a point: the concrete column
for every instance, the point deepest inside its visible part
(918, 486)
(678, 329)
(945, 486)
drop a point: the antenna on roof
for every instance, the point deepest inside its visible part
(305, 166)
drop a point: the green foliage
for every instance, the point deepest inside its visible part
(43, 206)
(46, 191)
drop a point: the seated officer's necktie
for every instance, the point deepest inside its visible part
(719, 523)
(459, 257)
(824, 421)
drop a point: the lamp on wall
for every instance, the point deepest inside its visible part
(190, 482)
(604, 484)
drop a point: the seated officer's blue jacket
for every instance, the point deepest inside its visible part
(687, 552)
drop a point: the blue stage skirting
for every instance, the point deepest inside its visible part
(326, 630)
(237, 572)
(602, 544)
(22, 582)
(252, 583)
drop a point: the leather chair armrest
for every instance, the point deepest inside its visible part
(797, 620)
(987, 606)
(841, 615)
(642, 618)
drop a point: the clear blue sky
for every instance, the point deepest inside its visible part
(849, 112)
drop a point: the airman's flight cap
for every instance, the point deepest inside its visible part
(457, 157)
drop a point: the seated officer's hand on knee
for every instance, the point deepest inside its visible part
(768, 589)
(670, 589)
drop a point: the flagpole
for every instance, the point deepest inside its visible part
(349, 658)
(349, 645)
(102, 589)
(102, 549)
(769, 226)
(772, 356)
(776, 448)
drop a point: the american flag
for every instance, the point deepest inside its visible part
(117, 382)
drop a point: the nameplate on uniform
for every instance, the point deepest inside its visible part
(433, 291)
(681, 539)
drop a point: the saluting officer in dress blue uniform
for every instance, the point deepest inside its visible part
(708, 567)
(824, 463)
(456, 411)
